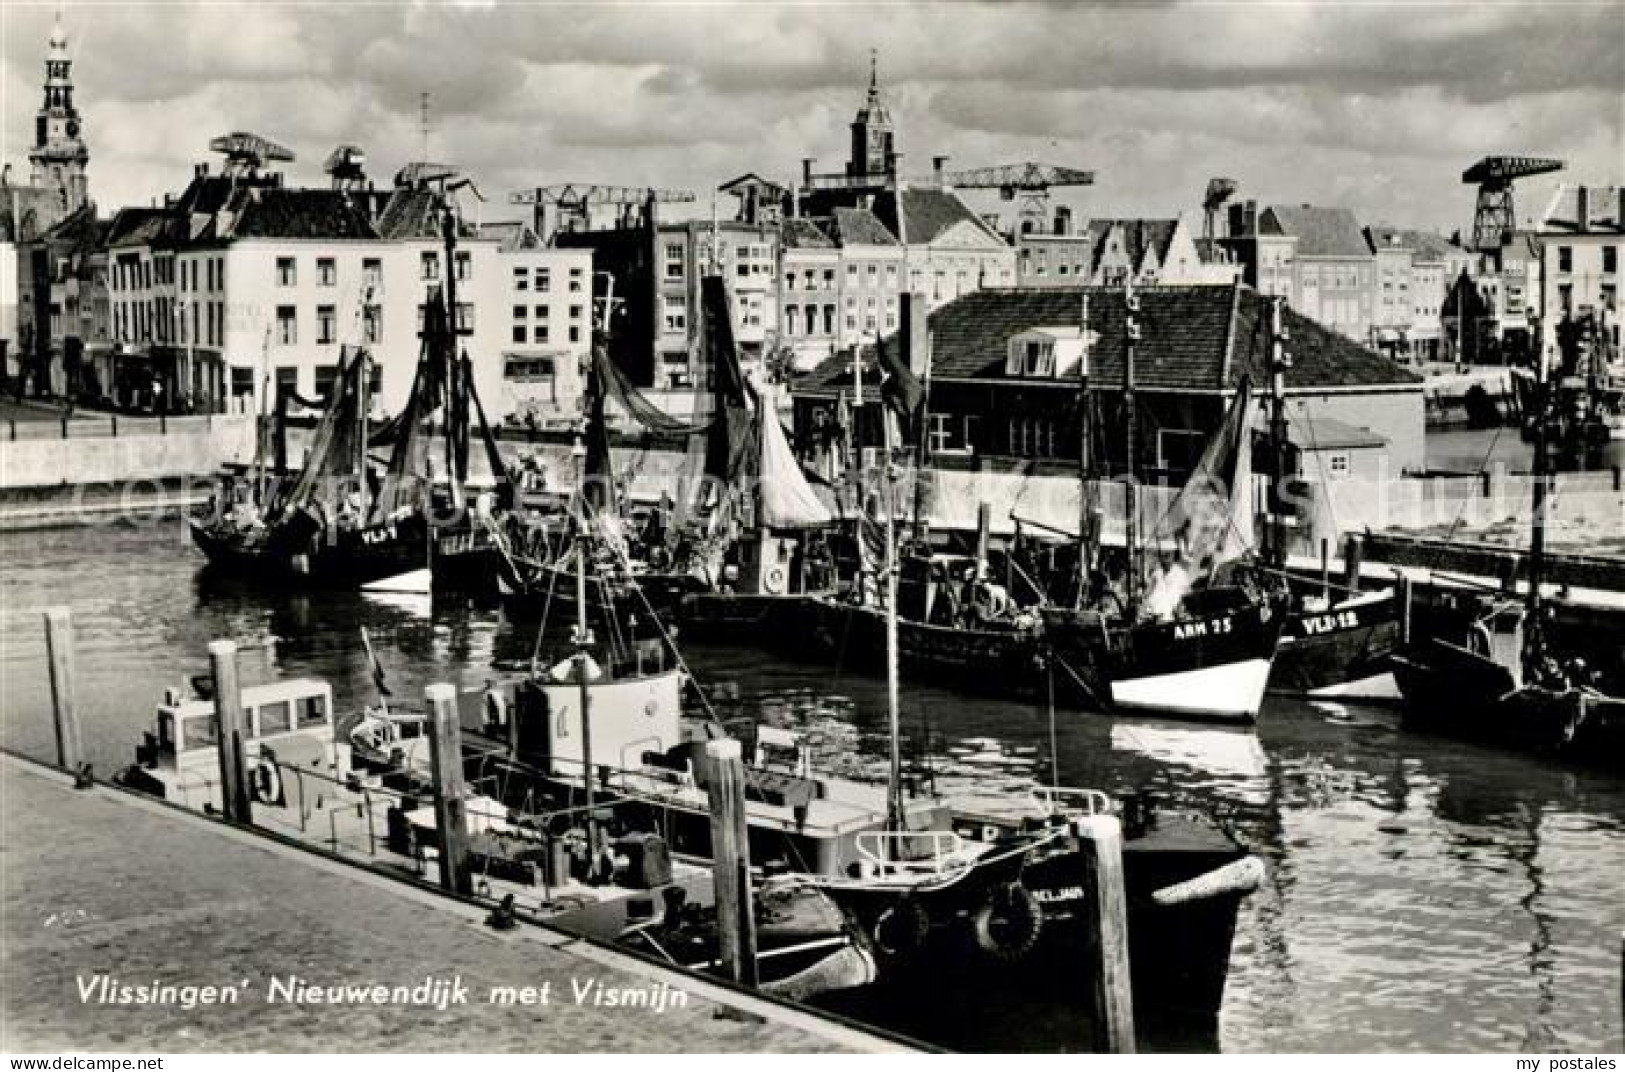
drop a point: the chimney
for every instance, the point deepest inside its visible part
(806, 170)
(938, 165)
(1582, 208)
(1619, 210)
(913, 337)
(1063, 219)
(200, 170)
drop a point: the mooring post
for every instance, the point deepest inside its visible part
(730, 860)
(231, 728)
(1105, 922)
(450, 807)
(984, 528)
(64, 714)
(1353, 554)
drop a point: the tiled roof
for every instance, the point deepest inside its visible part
(859, 227)
(1328, 433)
(510, 235)
(751, 179)
(80, 229)
(1321, 232)
(280, 213)
(925, 214)
(1191, 338)
(410, 213)
(802, 233)
(137, 227)
(1602, 209)
(1423, 245)
(1140, 235)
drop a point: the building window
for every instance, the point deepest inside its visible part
(676, 313)
(287, 381)
(372, 274)
(465, 316)
(575, 280)
(285, 273)
(327, 273)
(429, 265)
(326, 324)
(792, 320)
(521, 311)
(287, 325)
(1565, 258)
(541, 312)
(521, 279)
(829, 279)
(576, 311)
(789, 280)
(674, 260)
(519, 333)
(1610, 259)
(544, 280)
(462, 264)
(538, 333)
(829, 320)
(891, 275)
(575, 332)
(372, 324)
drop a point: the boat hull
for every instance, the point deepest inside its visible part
(303, 553)
(1341, 651)
(1004, 662)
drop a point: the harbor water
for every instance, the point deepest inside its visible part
(1423, 894)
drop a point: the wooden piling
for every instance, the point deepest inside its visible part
(1105, 923)
(730, 860)
(231, 729)
(1405, 595)
(984, 529)
(64, 712)
(450, 807)
(1353, 554)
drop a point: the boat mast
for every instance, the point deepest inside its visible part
(1131, 489)
(894, 784)
(1280, 361)
(363, 403)
(1086, 486)
(1533, 640)
(583, 634)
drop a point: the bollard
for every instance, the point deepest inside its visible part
(113, 420)
(1618, 472)
(1353, 552)
(1484, 483)
(1105, 922)
(229, 732)
(730, 860)
(64, 426)
(64, 714)
(450, 808)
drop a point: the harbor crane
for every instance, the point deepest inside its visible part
(1494, 219)
(1030, 182)
(246, 153)
(1219, 190)
(347, 166)
(573, 202)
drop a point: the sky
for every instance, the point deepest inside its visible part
(1374, 106)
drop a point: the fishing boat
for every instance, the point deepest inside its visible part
(1500, 677)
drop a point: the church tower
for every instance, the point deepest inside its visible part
(59, 155)
(872, 148)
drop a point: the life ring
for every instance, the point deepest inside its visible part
(902, 928)
(265, 781)
(372, 734)
(773, 580)
(1006, 926)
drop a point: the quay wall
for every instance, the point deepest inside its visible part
(184, 446)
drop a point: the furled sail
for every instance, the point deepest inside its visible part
(333, 447)
(787, 500)
(406, 481)
(1210, 521)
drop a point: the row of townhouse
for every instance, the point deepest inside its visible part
(240, 289)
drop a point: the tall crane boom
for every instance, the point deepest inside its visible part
(572, 203)
(1010, 179)
(1494, 219)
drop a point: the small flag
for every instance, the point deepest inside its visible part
(377, 667)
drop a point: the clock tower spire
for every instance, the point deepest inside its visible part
(59, 154)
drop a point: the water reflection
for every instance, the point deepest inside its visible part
(1423, 894)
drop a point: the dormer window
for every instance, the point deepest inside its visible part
(1043, 353)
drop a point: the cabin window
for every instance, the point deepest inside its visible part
(1337, 464)
(275, 718)
(312, 711)
(198, 732)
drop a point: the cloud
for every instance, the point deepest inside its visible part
(1299, 100)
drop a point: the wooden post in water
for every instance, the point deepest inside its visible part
(450, 809)
(1353, 554)
(984, 528)
(231, 726)
(64, 714)
(1105, 923)
(730, 860)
